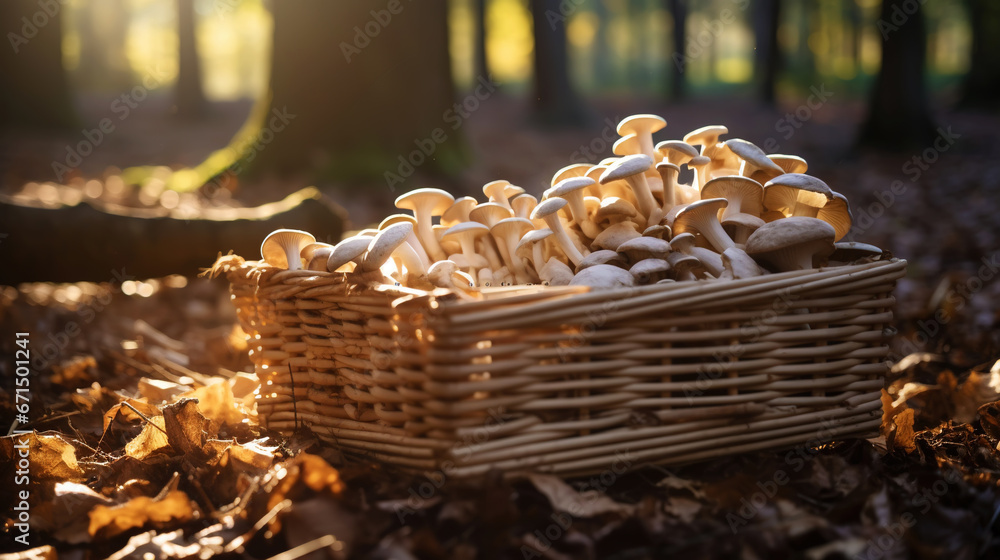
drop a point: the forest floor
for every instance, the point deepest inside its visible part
(123, 464)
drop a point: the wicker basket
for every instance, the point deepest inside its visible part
(559, 379)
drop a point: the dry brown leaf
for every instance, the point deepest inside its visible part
(127, 413)
(174, 507)
(187, 429)
(902, 432)
(989, 419)
(306, 470)
(250, 456)
(65, 515)
(216, 402)
(565, 498)
(51, 456)
(151, 440)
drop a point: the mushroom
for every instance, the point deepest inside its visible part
(572, 190)
(643, 126)
(614, 210)
(282, 248)
(466, 234)
(744, 194)
(488, 214)
(850, 251)
(391, 243)
(632, 169)
(603, 277)
(796, 194)
(523, 205)
(788, 163)
(676, 151)
(685, 243)
(507, 233)
(641, 248)
(658, 231)
(668, 176)
(548, 210)
(571, 170)
(458, 212)
(698, 165)
(626, 146)
(707, 137)
(411, 239)
(445, 274)
(315, 255)
(738, 265)
(530, 247)
(614, 235)
(796, 243)
(741, 226)
(555, 273)
(754, 158)
(425, 204)
(837, 213)
(495, 191)
(684, 266)
(703, 217)
(348, 250)
(650, 271)
(602, 256)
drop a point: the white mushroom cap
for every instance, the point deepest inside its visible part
(741, 225)
(707, 137)
(684, 266)
(458, 212)
(614, 235)
(548, 210)
(677, 152)
(445, 274)
(632, 169)
(530, 246)
(649, 271)
(495, 191)
(508, 232)
(315, 255)
(425, 204)
(849, 251)
(703, 217)
(350, 249)
(282, 248)
(626, 145)
(837, 213)
(602, 256)
(387, 242)
(658, 231)
(614, 208)
(796, 194)
(753, 157)
(523, 205)
(573, 190)
(411, 239)
(641, 248)
(571, 170)
(603, 277)
(466, 233)
(744, 194)
(643, 126)
(489, 213)
(789, 163)
(796, 243)
(555, 273)
(686, 243)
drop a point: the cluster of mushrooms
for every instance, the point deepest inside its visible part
(625, 221)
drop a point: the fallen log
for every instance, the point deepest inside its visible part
(95, 241)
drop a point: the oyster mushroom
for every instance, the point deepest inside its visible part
(743, 194)
(348, 250)
(650, 271)
(315, 255)
(641, 248)
(602, 256)
(425, 205)
(530, 247)
(850, 251)
(391, 243)
(643, 126)
(555, 273)
(632, 169)
(507, 233)
(703, 217)
(603, 277)
(411, 239)
(572, 190)
(754, 158)
(795, 243)
(523, 205)
(458, 212)
(548, 210)
(707, 137)
(738, 265)
(282, 248)
(466, 233)
(614, 235)
(685, 243)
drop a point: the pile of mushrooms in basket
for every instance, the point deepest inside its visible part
(626, 221)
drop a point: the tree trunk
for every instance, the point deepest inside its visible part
(35, 91)
(767, 56)
(188, 95)
(898, 111)
(556, 102)
(678, 60)
(482, 65)
(103, 31)
(981, 89)
(358, 93)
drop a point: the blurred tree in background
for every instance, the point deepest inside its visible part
(188, 95)
(981, 88)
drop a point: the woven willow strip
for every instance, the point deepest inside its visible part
(563, 380)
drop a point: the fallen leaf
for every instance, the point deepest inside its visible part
(989, 419)
(565, 498)
(109, 521)
(902, 432)
(51, 456)
(186, 427)
(161, 391)
(65, 515)
(216, 402)
(152, 439)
